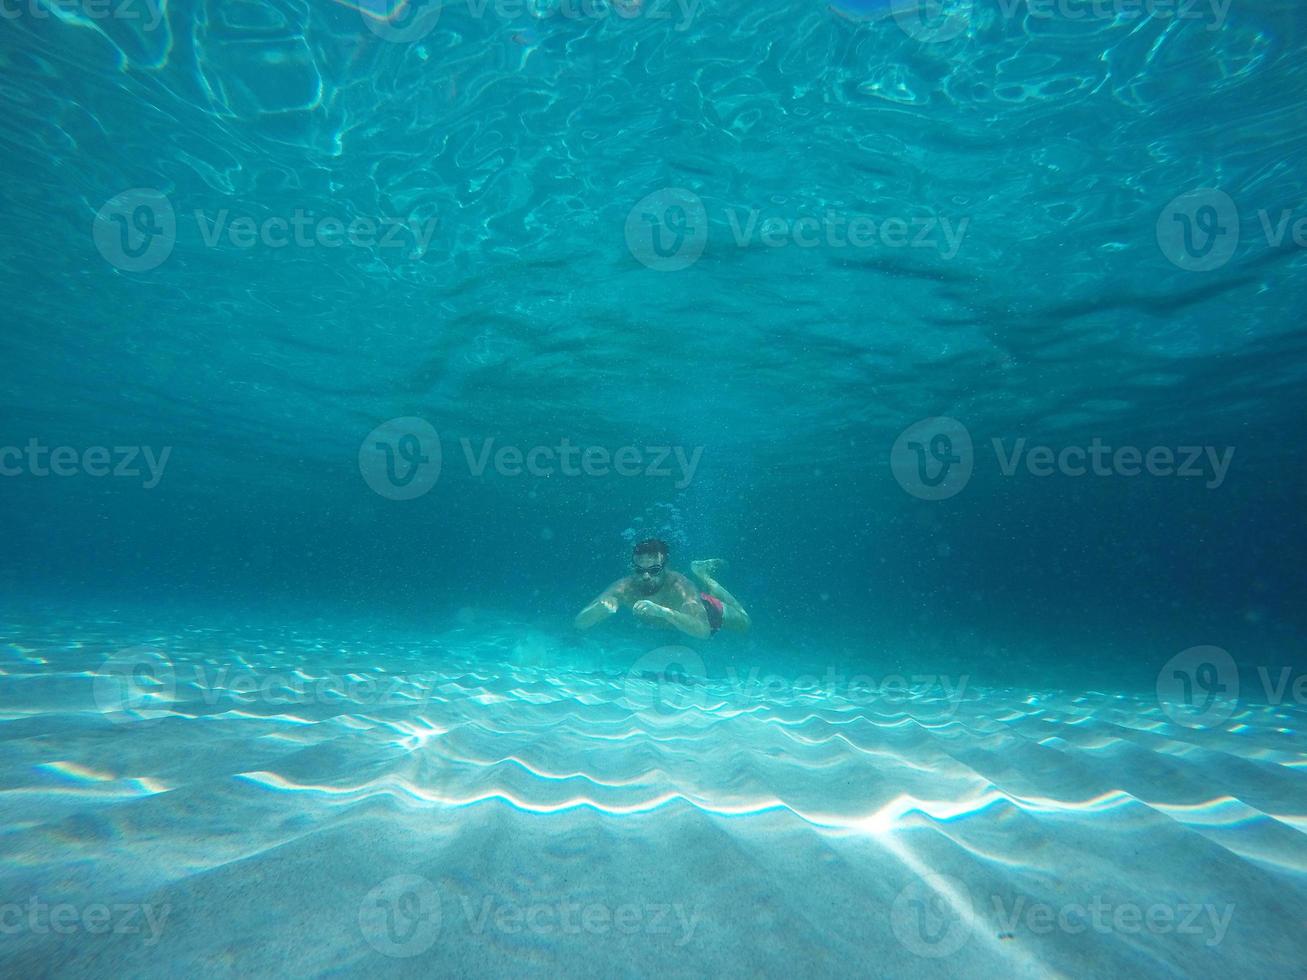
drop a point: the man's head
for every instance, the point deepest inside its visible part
(649, 565)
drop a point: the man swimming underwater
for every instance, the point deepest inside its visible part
(663, 598)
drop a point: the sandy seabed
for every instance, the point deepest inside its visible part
(174, 808)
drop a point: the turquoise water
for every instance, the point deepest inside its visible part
(350, 348)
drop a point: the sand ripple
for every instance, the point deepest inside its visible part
(265, 798)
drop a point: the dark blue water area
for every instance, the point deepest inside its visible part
(1057, 149)
(1018, 580)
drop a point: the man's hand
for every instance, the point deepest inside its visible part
(599, 610)
(649, 611)
(652, 613)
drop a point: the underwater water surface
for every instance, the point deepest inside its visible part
(351, 348)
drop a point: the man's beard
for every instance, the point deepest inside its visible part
(649, 587)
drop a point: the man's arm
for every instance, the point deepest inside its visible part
(609, 601)
(685, 622)
(689, 618)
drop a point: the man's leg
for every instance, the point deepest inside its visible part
(733, 615)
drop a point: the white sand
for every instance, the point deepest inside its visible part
(526, 821)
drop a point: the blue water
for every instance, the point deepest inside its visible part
(314, 312)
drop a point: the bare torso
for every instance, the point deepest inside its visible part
(675, 603)
(676, 591)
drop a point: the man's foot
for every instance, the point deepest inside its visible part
(709, 567)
